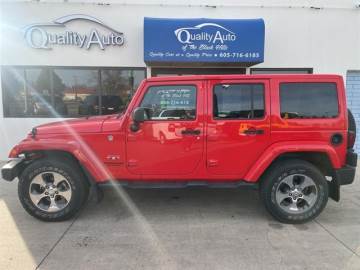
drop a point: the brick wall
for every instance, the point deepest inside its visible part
(353, 100)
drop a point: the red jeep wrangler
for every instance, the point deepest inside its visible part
(289, 135)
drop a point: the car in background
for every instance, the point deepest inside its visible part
(109, 104)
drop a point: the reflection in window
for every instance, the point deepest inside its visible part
(117, 87)
(170, 102)
(115, 90)
(67, 92)
(238, 101)
(77, 90)
(14, 92)
(39, 92)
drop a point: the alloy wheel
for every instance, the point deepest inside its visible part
(50, 191)
(296, 193)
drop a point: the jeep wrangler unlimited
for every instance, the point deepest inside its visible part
(290, 136)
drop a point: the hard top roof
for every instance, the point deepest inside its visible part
(243, 77)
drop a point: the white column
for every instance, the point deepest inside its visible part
(148, 72)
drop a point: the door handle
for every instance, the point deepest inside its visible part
(254, 131)
(190, 132)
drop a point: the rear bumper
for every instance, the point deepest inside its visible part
(345, 175)
(351, 158)
(12, 169)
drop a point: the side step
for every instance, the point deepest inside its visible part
(166, 184)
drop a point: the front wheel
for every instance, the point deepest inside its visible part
(294, 191)
(52, 189)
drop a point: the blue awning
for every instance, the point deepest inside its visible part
(204, 40)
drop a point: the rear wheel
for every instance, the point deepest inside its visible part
(294, 191)
(52, 189)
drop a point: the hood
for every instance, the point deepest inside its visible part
(82, 125)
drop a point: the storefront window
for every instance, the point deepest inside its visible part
(281, 71)
(39, 91)
(14, 92)
(67, 92)
(77, 90)
(117, 89)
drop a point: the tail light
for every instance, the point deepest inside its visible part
(351, 139)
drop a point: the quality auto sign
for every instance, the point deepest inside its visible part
(203, 40)
(44, 36)
(189, 35)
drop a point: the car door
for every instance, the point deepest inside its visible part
(238, 125)
(171, 140)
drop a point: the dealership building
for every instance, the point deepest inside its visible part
(67, 59)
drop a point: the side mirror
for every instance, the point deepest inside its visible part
(138, 115)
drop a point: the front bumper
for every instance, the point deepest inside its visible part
(12, 169)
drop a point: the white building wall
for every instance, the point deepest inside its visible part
(325, 39)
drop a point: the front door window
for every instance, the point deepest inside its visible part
(176, 102)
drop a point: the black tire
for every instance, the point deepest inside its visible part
(351, 129)
(351, 122)
(274, 177)
(67, 169)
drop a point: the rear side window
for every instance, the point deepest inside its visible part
(238, 101)
(308, 100)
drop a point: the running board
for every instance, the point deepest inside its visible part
(143, 185)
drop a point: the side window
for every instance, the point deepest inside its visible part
(171, 102)
(238, 101)
(308, 100)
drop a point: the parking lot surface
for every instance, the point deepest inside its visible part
(193, 228)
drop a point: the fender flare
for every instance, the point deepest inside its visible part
(277, 149)
(81, 152)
